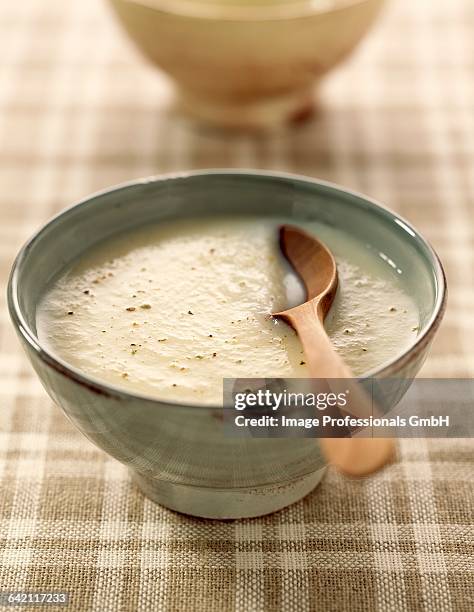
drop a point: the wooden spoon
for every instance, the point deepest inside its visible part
(316, 267)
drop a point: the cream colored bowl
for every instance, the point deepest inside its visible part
(246, 63)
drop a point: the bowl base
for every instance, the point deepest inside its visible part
(206, 502)
(254, 114)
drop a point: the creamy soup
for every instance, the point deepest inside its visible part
(171, 310)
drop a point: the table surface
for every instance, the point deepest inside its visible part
(80, 110)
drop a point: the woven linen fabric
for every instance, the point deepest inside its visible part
(79, 111)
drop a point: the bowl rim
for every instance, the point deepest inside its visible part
(119, 393)
(212, 10)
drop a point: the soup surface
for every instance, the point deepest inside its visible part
(170, 310)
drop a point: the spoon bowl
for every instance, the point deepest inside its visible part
(314, 264)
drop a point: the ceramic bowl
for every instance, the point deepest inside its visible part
(250, 64)
(179, 454)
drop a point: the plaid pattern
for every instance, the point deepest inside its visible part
(81, 111)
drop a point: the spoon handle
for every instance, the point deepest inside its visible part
(356, 456)
(322, 359)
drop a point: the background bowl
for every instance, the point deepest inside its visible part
(249, 64)
(179, 454)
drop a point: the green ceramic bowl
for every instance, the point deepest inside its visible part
(178, 454)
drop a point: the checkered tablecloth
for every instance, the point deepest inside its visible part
(80, 110)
